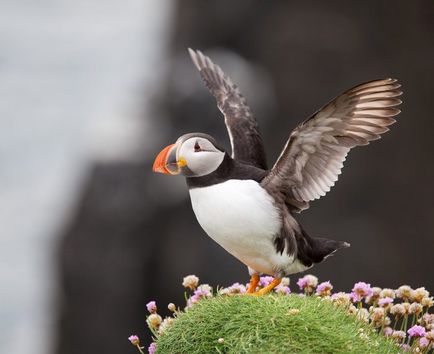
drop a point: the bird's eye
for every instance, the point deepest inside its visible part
(197, 147)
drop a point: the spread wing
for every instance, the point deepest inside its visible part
(313, 156)
(246, 142)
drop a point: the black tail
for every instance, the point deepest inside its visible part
(316, 249)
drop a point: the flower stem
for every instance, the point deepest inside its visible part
(395, 322)
(413, 320)
(404, 322)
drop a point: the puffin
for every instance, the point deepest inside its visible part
(248, 208)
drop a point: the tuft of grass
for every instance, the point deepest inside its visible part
(270, 324)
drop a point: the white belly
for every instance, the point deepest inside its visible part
(241, 217)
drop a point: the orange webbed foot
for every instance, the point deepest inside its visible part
(269, 287)
(254, 281)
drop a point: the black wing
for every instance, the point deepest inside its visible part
(246, 142)
(313, 157)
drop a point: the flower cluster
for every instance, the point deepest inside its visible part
(201, 292)
(402, 314)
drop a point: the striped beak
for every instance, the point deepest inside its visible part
(166, 161)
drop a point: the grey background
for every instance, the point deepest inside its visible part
(78, 269)
(289, 59)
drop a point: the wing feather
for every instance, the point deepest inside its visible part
(313, 156)
(243, 131)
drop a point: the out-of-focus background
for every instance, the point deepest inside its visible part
(91, 90)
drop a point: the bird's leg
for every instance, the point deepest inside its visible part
(269, 287)
(254, 280)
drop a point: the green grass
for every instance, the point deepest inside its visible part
(264, 325)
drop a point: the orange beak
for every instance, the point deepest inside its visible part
(161, 162)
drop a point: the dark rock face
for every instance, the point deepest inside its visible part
(134, 235)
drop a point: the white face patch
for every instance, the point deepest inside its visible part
(201, 156)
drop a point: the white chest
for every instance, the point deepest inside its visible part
(241, 217)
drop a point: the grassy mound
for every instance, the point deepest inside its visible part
(269, 324)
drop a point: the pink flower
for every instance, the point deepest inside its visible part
(405, 347)
(416, 331)
(423, 342)
(237, 288)
(193, 299)
(152, 348)
(281, 289)
(234, 289)
(385, 301)
(355, 297)
(302, 282)
(151, 306)
(134, 339)
(324, 289)
(307, 283)
(362, 289)
(388, 331)
(199, 293)
(264, 281)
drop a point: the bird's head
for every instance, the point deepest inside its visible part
(193, 155)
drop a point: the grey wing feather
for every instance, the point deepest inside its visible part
(313, 156)
(246, 142)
